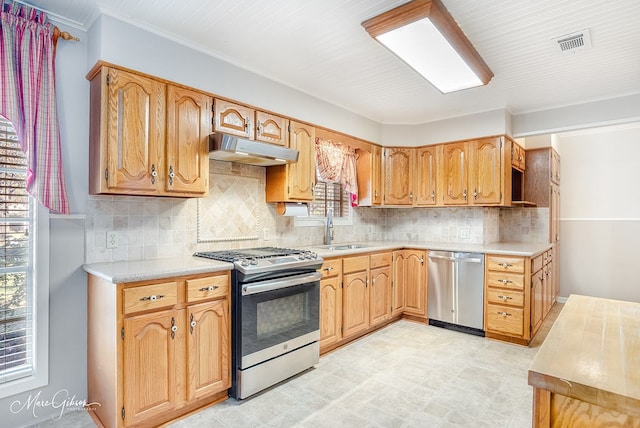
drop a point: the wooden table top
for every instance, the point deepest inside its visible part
(592, 353)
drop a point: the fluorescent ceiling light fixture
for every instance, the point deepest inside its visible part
(425, 36)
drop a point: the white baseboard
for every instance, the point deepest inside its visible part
(561, 299)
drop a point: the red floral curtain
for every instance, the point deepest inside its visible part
(28, 99)
(336, 163)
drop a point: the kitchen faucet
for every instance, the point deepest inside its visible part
(328, 235)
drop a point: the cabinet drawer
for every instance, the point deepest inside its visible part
(147, 297)
(505, 297)
(505, 264)
(505, 280)
(331, 268)
(207, 288)
(504, 319)
(379, 260)
(355, 264)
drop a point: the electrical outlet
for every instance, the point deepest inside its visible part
(112, 239)
(465, 232)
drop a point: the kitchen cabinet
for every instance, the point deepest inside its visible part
(453, 166)
(475, 172)
(355, 297)
(410, 273)
(518, 156)
(243, 121)
(330, 302)
(147, 136)
(425, 176)
(188, 129)
(369, 176)
(398, 163)
(380, 290)
(398, 283)
(157, 349)
(541, 186)
(507, 298)
(294, 182)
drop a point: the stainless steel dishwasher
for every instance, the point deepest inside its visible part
(455, 291)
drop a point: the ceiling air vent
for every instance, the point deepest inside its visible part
(574, 42)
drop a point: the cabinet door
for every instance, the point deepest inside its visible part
(537, 300)
(208, 348)
(234, 119)
(487, 171)
(330, 310)
(425, 176)
(271, 128)
(554, 211)
(188, 129)
(135, 132)
(301, 175)
(398, 283)
(454, 173)
(380, 295)
(415, 298)
(397, 176)
(376, 175)
(355, 303)
(152, 351)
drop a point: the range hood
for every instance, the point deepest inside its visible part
(230, 148)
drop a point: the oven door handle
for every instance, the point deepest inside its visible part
(270, 285)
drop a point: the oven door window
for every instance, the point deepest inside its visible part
(276, 317)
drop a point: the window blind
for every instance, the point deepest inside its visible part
(329, 195)
(16, 260)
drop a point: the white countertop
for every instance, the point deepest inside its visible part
(141, 270)
(523, 249)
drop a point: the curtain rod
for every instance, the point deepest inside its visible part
(65, 35)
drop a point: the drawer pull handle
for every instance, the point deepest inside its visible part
(505, 265)
(505, 298)
(209, 288)
(330, 268)
(151, 298)
(504, 314)
(505, 281)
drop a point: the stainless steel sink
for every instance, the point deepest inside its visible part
(341, 247)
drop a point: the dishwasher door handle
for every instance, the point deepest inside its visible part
(469, 260)
(450, 259)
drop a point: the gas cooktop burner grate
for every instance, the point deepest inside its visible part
(248, 253)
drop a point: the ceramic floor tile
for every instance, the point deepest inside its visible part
(405, 375)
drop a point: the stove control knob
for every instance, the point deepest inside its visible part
(244, 262)
(301, 257)
(253, 262)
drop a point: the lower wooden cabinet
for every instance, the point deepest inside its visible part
(518, 296)
(355, 295)
(331, 302)
(410, 280)
(380, 289)
(157, 349)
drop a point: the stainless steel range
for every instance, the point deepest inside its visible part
(275, 304)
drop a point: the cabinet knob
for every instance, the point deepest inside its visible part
(329, 268)
(505, 265)
(505, 298)
(504, 314)
(152, 298)
(192, 324)
(505, 281)
(475, 194)
(259, 128)
(174, 328)
(209, 288)
(433, 195)
(171, 175)
(464, 194)
(154, 173)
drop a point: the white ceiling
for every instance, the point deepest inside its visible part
(319, 47)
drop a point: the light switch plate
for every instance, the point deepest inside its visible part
(465, 233)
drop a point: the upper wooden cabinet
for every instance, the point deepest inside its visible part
(294, 182)
(369, 170)
(425, 176)
(487, 171)
(518, 156)
(475, 173)
(147, 137)
(244, 121)
(188, 129)
(398, 175)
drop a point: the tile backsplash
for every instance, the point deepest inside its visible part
(234, 215)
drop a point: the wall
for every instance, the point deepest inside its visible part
(600, 212)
